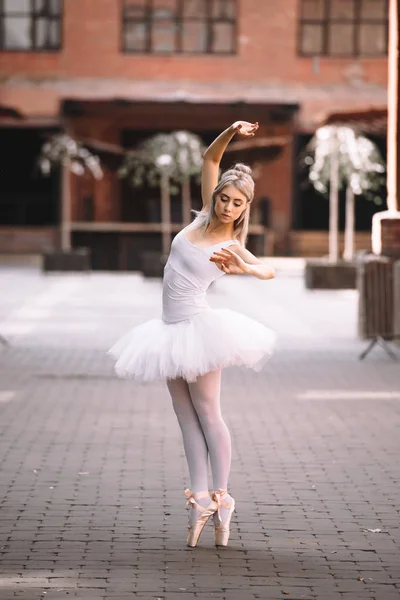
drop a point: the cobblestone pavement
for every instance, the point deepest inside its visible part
(92, 468)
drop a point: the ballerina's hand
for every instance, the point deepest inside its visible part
(245, 128)
(229, 262)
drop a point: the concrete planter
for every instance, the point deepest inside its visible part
(152, 263)
(320, 274)
(77, 259)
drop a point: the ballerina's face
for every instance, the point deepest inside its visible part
(229, 204)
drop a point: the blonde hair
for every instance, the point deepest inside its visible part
(240, 176)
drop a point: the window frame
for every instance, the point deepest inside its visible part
(180, 21)
(326, 21)
(33, 16)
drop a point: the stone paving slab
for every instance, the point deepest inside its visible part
(92, 469)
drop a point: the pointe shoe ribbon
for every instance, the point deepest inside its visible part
(217, 497)
(206, 512)
(191, 503)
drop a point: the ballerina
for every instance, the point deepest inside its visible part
(191, 344)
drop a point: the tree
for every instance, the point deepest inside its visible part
(168, 161)
(61, 150)
(339, 157)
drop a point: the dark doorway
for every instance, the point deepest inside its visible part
(117, 251)
(26, 197)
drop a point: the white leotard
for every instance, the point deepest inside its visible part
(187, 276)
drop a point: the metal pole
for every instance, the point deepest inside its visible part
(393, 133)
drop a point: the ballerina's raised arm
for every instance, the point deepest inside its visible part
(212, 157)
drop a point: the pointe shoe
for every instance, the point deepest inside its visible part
(206, 512)
(222, 528)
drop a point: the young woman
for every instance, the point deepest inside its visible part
(190, 345)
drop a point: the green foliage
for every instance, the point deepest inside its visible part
(63, 149)
(361, 166)
(177, 154)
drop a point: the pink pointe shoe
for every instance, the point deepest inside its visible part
(222, 528)
(205, 513)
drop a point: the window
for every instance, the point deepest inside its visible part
(179, 26)
(343, 27)
(30, 25)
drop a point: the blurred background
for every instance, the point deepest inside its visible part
(110, 75)
(105, 109)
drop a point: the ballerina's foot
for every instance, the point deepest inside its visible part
(222, 518)
(196, 525)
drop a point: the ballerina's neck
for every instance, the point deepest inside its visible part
(210, 237)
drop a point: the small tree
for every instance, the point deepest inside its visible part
(188, 158)
(339, 158)
(61, 150)
(168, 161)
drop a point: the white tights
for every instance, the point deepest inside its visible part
(205, 434)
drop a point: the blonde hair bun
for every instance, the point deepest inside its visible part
(241, 168)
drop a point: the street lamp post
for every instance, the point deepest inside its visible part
(386, 224)
(393, 137)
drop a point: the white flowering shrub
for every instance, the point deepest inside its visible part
(177, 154)
(361, 166)
(63, 149)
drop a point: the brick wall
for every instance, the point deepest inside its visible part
(267, 54)
(91, 65)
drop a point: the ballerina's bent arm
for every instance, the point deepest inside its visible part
(236, 259)
(212, 157)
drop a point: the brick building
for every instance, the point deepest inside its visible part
(112, 72)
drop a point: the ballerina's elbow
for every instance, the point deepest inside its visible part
(270, 274)
(210, 157)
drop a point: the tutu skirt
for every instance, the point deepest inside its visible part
(211, 340)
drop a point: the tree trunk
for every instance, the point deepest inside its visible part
(348, 253)
(165, 213)
(334, 204)
(65, 208)
(186, 200)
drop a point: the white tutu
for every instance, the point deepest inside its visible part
(211, 340)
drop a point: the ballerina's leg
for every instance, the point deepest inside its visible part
(206, 397)
(205, 394)
(194, 442)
